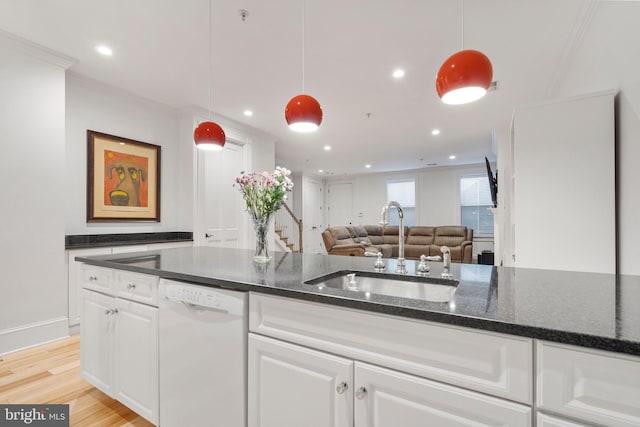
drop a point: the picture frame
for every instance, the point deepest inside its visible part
(123, 179)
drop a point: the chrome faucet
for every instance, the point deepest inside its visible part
(401, 264)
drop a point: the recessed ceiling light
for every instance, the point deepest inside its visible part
(398, 74)
(104, 50)
(248, 113)
(327, 148)
(435, 132)
(367, 166)
(452, 157)
(320, 170)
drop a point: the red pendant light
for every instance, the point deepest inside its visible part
(208, 135)
(464, 77)
(303, 113)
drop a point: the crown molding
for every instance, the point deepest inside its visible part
(34, 50)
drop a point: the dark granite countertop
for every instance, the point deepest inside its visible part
(82, 241)
(593, 310)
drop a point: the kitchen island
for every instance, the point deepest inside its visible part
(537, 319)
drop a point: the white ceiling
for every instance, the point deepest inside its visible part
(351, 48)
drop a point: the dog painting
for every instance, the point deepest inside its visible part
(123, 179)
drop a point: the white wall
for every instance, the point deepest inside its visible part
(33, 305)
(91, 105)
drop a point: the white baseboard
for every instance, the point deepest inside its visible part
(33, 334)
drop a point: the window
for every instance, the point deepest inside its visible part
(403, 192)
(475, 198)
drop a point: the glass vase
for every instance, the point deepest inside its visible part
(261, 225)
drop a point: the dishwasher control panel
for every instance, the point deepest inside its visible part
(201, 296)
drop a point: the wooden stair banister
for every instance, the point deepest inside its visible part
(283, 222)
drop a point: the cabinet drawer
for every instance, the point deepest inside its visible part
(591, 385)
(97, 278)
(491, 363)
(137, 287)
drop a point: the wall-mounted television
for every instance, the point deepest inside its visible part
(493, 183)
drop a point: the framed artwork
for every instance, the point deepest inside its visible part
(123, 179)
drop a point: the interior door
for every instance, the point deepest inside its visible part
(312, 216)
(222, 222)
(340, 204)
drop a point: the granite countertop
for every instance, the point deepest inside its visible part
(83, 241)
(593, 310)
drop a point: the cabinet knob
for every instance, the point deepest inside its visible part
(107, 311)
(361, 393)
(92, 278)
(131, 286)
(342, 387)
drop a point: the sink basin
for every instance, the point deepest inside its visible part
(423, 288)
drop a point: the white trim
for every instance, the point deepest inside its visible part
(26, 336)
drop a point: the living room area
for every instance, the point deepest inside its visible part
(434, 196)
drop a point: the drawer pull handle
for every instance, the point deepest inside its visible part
(110, 311)
(361, 393)
(131, 286)
(342, 387)
(92, 278)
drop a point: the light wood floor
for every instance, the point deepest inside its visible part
(50, 373)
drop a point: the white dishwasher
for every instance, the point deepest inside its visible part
(203, 355)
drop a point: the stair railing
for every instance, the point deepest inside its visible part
(289, 228)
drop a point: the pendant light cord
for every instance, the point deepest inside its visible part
(210, 67)
(462, 11)
(303, 42)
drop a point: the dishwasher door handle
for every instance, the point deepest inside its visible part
(197, 307)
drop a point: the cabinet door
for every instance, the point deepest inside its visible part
(293, 386)
(96, 340)
(592, 385)
(136, 358)
(388, 398)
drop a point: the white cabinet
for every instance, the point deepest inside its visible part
(136, 358)
(292, 386)
(119, 338)
(96, 345)
(384, 397)
(76, 272)
(594, 386)
(495, 364)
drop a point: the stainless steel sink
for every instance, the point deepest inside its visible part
(423, 288)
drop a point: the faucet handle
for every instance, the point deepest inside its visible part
(379, 264)
(423, 267)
